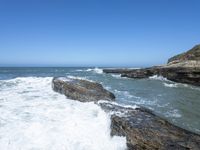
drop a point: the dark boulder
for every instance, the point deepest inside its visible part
(81, 90)
(145, 130)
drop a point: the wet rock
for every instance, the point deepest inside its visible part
(81, 90)
(145, 130)
(118, 71)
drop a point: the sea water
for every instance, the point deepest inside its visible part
(34, 117)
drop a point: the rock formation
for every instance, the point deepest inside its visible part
(81, 90)
(141, 127)
(183, 68)
(144, 130)
(190, 58)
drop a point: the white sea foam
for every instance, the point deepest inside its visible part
(156, 77)
(35, 117)
(79, 78)
(96, 70)
(116, 75)
(170, 85)
(64, 79)
(117, 104)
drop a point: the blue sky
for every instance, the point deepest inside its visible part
(96, 32)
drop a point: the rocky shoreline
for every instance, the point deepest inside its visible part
(141, 127)
(182, 68)
(145, 130)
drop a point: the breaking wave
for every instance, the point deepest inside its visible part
(96, 70)
(35, 117)
(170, 85)
(116, 75)
(156, 77)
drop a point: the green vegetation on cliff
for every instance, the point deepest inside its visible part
(192, 54)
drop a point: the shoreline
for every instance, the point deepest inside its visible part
(142, 128)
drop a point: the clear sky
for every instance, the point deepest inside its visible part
(96, 32)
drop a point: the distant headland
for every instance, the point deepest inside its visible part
(183, 68)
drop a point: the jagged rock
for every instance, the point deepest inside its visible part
(81, 90)
(144, 130)
(183, 68)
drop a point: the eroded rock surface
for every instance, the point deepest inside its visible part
(144, 130)
(81, 90)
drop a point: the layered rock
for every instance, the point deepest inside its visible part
(81, 90)
(144, 130)
(183, 68)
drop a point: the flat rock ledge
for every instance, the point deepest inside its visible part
(81, 90)
(176, 74)
(144, 130)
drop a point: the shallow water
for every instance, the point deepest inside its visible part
(35, 117)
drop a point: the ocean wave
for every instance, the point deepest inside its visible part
(79, 78)
(125, 93)
(116, 75)
(117, 104)
(173, 85)
(96, 70)
(33, 116)
(156, 77)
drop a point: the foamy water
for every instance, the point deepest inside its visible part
(96, 70)
(33, 117)
(156, 77)
(170, 84)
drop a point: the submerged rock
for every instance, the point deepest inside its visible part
(183, 68)
(81, 90)
(144, 130)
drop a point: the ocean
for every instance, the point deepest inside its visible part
(34, 117)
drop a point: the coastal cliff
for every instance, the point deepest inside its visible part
(183, 68)
(190, 58)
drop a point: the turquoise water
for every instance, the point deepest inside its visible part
(178, 103)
